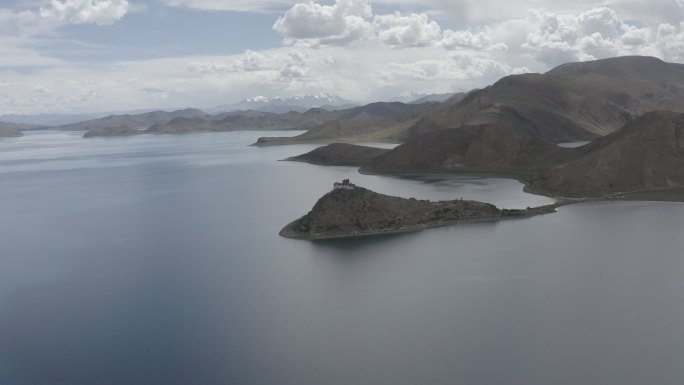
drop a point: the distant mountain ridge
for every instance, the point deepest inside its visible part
(280, 105)
(382, 121)
(50, 120)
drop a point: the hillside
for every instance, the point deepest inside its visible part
(373, 122)
(513, 145)
(135, 121)
(573, 102)
(111, 131)
(564, 108)
(187, 123)
(646, 154)
(630, 67)
(9, 131)
(180, 125)
(361, 212)
(340, 154)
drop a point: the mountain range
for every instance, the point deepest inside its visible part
(630, 107)
(279, 105)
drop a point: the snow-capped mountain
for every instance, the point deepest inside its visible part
(281, 105)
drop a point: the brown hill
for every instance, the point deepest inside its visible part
(645, 68)
(181, 125)
(9, 131)
(136, 121)
(573, 102)
(646, 154)
(257, 120)
(359, 212)
(576, 101)
(373, 122)
(511, 146)
(111, 131)
(340, 154)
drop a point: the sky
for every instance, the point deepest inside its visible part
(79, 56)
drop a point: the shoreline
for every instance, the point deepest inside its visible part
(656, 194)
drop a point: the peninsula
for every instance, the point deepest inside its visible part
(352, 211)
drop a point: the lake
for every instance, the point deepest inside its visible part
(155, 260)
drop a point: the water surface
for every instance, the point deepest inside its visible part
(156, 260)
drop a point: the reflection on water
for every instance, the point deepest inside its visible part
(156, 260)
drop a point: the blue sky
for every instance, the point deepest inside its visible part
(103, 55)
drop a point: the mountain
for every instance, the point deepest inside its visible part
(111, 131)
(573, 102)
(625, 67)
(381, 121)
(48, 120)
(647, 154)
(135, 121)
(512, 145)
(436, 98)
(282, 105)
(182, 124)
(201, 122)
(351, 211)
(340, 154)
(10, 130)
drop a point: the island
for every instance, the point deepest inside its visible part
(352, 211)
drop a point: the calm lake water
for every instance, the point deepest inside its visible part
(156, 260)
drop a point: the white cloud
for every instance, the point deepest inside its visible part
(100, 12)
(339, 47)
(468, 39)
(340, 23)
(458, 66)
(670, 41)
(231, 5)
(599, 20)
(598, 33)
(414, 30)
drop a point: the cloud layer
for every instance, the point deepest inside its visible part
(363, 50)
(100, 12)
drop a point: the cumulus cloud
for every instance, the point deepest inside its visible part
(340, 23)
(597, 33)
(335, 46)
(346, 21)
(275, 66)
(229, 5)
(669, 42)
(414, 30)
(100, 12)
(458, 66)
(468, 39)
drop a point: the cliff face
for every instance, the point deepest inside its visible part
(357, 212)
